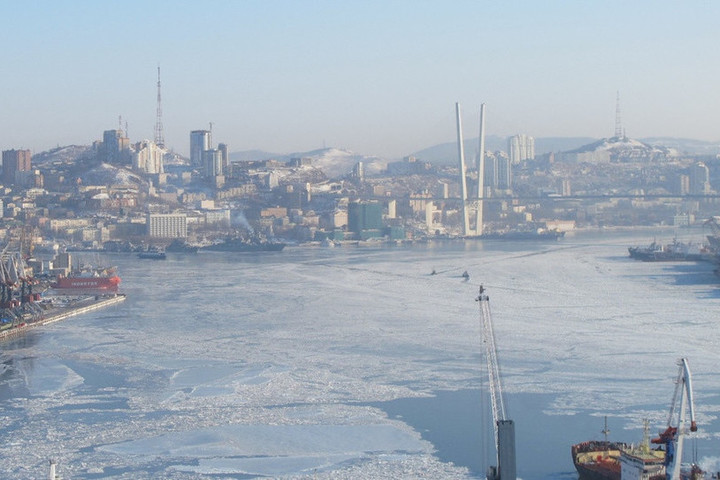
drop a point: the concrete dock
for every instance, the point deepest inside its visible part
(57, 313)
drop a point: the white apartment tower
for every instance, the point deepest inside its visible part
(521, 147)
(148, 157)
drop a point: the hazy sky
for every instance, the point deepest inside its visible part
(375, 77)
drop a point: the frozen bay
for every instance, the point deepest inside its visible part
(357, 363)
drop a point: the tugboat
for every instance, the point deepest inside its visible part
(152, 253)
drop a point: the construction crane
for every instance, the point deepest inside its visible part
(672, 437)
(504, 429)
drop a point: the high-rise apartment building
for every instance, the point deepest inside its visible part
(225, 158)
(699, 179)
(116, 147)
(364, 216)
(504, 171)
(521, 147)
(148, 157)
(212, 162)
(14, 161)
(199, 142)
(490, 171)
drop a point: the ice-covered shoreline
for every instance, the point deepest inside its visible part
(210, 353)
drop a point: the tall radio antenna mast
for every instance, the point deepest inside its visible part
(618, 124)
(159, 138)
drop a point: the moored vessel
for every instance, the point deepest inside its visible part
(236, 244)
(538, 234)
(604, 460)
(598, 459)
(88, 280)
(672, 252)
(153, 254)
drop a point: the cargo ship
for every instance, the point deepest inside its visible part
(598, 459)
(604, 460)
(92, 281)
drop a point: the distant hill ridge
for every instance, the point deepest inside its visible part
(335, 162)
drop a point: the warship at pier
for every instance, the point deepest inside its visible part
(242, 244)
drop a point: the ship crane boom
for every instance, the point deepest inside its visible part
(496, 391)
(672, 437)
(504, 429)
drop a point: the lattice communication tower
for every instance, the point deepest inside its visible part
(159, 138)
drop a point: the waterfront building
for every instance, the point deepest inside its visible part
(364, 216)
(167, 225)
(199, 142)
(335, 220)
(520, 148)
(14, 161)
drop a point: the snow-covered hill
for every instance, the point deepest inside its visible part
(105, 174)
(333, 162)
(626, 148)
(337, 162)
(66, 154)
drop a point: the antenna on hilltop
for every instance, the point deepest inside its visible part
(619, 131)
(159, 138)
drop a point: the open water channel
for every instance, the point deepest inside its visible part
(355, 362)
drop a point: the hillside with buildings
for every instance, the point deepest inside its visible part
(124, 194)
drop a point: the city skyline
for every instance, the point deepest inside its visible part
(378, 78)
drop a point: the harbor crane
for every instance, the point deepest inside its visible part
(672, 437)
(504, 428)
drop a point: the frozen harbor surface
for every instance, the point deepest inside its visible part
(357, 363)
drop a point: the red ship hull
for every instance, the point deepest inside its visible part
(94, 284)
(593, 460)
